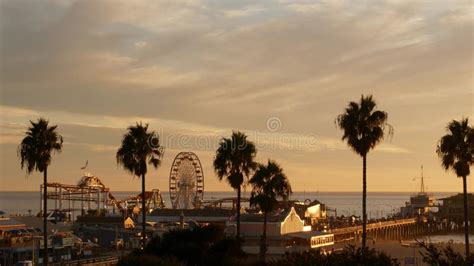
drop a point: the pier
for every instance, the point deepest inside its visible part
(393, 229)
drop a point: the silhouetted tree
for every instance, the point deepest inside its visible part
(348, 256)
(139, 259)
(269, 184)
(235, 161)
(138, 149)
(456, 151)
(227, 251)
(363, 128)
(201, 245)
(444, 256)
(35, 152)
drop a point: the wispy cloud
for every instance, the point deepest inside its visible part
(184, 135)
(243, 12)
(95, 147)
(390, 148)
(201, 69)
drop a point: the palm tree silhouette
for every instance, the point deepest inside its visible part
(35, 152)
(269, 184)
(456, 150)
(138, 149)
(234, 161)
(363, 128)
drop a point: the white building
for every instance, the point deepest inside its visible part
(286, 232)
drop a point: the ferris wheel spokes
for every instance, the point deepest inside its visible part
(186, 181)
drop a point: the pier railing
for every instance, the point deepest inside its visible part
(394, 229)
(376, 225)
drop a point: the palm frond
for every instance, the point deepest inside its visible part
(235, 159)
(456, 148)
(139, 148)
(269, 184)
(363, 127)
(38, 145)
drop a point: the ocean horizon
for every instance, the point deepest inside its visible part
(379, 204)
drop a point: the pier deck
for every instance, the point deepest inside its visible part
(394, 229)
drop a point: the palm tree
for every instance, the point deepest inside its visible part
(456, 150)
(363, 128)
(235, 161)
(269, 184)
(35, 152)
(140, 147)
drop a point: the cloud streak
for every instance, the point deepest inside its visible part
(202, 69)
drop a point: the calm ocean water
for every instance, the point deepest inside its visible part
(379, 204)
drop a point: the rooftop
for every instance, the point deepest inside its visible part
(37, 222)
(309, 234)
(207, 212)
(458, 196)
(8, 222)
(274, 217)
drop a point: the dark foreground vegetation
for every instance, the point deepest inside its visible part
(349, 256)
(353, 256)
(198, 246)
(444, 256)
(207, 245)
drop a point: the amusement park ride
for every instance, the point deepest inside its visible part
(186, 181)
(186, 188)
(93, 195)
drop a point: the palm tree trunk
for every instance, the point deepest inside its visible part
(263, 244)
(364, 200)
(238, 211)
(45, 216)
(466, 215)
(143, 213)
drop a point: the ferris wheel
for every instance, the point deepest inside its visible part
(186, 181)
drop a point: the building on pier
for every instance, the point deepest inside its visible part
(420, 204)
(313, 213)
(452, 208)
(286, 232)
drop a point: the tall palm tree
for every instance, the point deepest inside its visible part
(456, 150)
(35, 152)
(235, 161)
(139, 148)
(363, 128)
(269, 184)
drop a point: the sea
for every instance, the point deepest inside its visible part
(379, 204)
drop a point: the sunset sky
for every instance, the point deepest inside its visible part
(281, 71)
